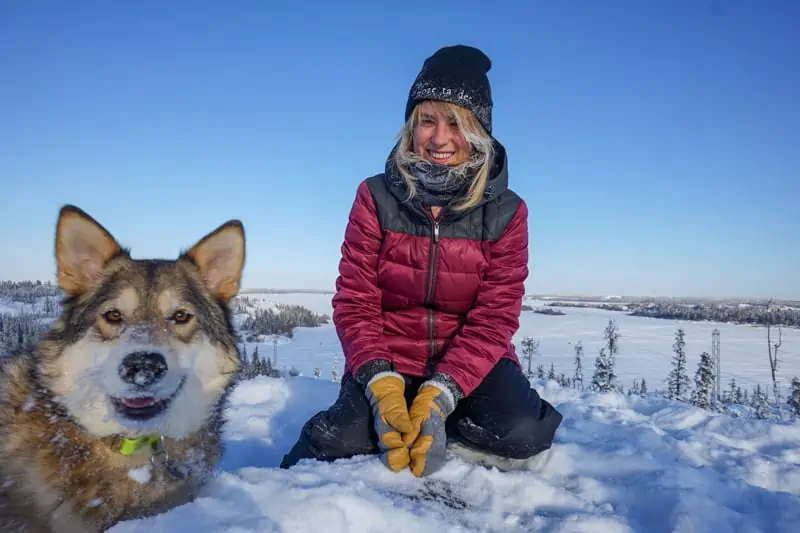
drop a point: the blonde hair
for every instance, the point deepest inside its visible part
(481, 159)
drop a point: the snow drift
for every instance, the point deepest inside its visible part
(620, 464)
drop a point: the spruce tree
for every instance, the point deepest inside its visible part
(678, 380)
(552, 373)
(529, 348)
(642, 388)
(540, 372)
(760, 404)
(704, 382)
(605, 377)
(244, 367)
(257, 365)
(794, 397)
(577, 380)
(267, 369)
(732, 397)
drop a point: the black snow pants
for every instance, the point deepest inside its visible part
(503, 416)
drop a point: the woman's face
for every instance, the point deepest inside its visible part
(437, 137)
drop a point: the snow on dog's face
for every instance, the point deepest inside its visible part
(143, 346)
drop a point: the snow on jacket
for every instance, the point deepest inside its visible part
(431, 295)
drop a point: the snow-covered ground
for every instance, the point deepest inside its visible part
(620, 464)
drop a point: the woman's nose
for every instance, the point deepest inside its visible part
(441, 134)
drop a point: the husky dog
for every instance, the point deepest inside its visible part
(118, 413)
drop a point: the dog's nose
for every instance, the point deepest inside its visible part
(142, 368)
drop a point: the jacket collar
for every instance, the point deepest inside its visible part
(498, 183)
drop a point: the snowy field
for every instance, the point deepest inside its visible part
(619, 464)
(645, 344)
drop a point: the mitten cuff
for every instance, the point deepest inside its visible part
(381, 375)
(370, 369)
(448, 386)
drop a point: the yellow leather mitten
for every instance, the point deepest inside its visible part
(386, 394)
(429, 410)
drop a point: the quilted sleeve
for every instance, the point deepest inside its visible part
(494, 318)
(357, 312)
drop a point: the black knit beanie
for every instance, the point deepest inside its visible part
(455, 74)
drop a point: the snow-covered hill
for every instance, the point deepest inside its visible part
(620, 464)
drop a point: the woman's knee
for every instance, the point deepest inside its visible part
(519, 437)
(343, 430)
(506, 417)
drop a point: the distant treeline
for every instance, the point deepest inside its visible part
(549, 311)
(29, 292)
(590, 305)
(282, 320)
(21, 332)
(756, 315)
(761, 315)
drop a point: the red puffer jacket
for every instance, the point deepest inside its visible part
(429, 295)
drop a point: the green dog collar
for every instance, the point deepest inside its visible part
(131, 446)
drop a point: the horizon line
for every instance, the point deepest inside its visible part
(559, 295)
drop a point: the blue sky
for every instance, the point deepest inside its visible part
(655, 142)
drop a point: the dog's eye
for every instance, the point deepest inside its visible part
(181, 316)
(113, 316)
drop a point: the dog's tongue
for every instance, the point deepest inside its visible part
(138, 403)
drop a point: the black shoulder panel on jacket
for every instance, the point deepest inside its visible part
(486, 223)
(498, 213)
(391, 214)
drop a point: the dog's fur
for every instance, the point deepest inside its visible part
(61, 420)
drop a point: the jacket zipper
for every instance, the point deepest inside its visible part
(433, 257)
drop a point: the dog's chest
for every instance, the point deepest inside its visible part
(148, 488)
(109, 488)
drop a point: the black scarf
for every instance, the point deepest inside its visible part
(437, 184)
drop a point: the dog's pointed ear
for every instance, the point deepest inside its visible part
(220, 258)
(83, 247)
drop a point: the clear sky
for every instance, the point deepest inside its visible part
(656, 143)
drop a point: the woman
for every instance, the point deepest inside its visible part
(430, 289)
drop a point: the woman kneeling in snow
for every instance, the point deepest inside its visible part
(429, 294)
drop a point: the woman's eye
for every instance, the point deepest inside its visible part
(113, 316)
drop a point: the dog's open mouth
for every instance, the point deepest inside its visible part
(142, 408)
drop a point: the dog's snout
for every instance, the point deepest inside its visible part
(142, 368)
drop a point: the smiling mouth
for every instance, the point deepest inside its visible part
(441, 156)
(142, 408)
